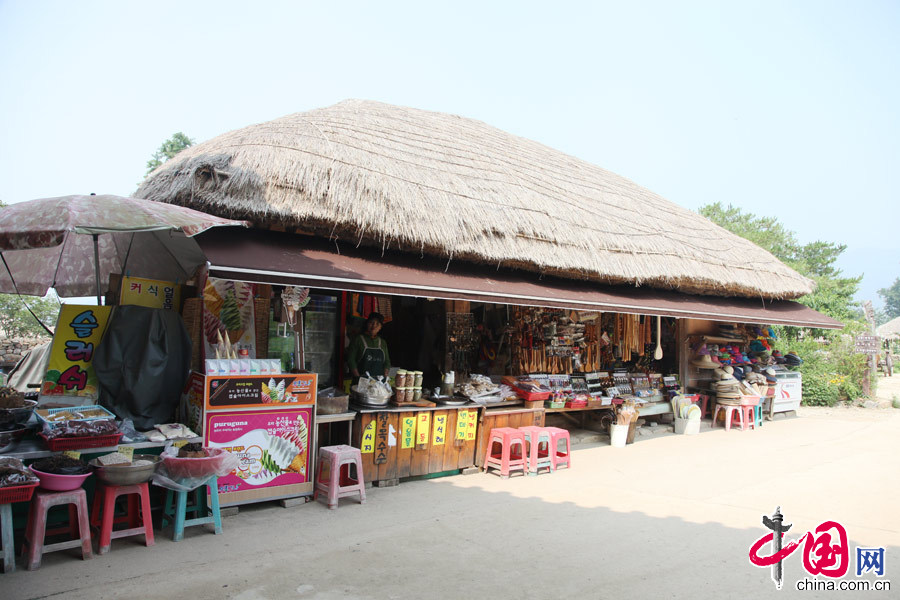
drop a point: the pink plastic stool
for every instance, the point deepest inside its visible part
(538, 441)
(505, 460)
(336, 482)
(36, 529)
(558, 458)
(730, 411)
(749, 406)
(138, 517)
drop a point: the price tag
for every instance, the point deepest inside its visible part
(127, 452)
(72, 454)
(176, 444)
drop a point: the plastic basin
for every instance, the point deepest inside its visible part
(195, 468)
(59, 483)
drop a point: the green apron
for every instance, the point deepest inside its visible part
(372, 360)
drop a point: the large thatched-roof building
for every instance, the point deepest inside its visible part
(440, 189)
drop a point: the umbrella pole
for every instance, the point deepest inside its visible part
(97, 265)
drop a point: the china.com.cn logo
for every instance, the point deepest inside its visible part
(825, 551)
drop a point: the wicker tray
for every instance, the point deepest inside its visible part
(17, 493)
(78, 443)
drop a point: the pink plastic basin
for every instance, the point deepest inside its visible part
(181, 468)
(59, 483)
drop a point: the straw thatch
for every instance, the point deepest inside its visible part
(890, 330)
(439, 184)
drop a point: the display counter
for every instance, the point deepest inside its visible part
(399, 442)
(33, 449)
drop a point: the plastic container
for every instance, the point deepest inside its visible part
(618, 434)
(17, 493)
(59, 483)
(46, 415)
(687, 426)
(59, 444)
(181, 468)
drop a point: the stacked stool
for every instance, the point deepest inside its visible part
(36, 529)
(6, 535)
(538, 441)
(178, 513)
(558, 458)
(729, 410)
(337, 482)
(138, 516)
(506, 460)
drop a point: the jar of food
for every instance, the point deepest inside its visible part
(401, 379)
(418, 379)
(417, 394)
(410, 394)
(400, 394)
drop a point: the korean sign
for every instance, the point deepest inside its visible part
(78, 333)
(150, 293)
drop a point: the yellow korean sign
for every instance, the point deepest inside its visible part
(151, 293)
(368, 439)
(422, 427)
(439, 433)
(408, 433)
(462, 423)
(472, 425)
(79, 330)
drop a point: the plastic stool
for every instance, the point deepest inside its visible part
(704, 405)
(138, 516)
(535, 437)
(333, 474)
(506, 460)
(558, 435)
(6, 531)
(36, 529)
(751, 412)
(178, 513)
(729, 410)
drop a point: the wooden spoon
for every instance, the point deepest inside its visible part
(658, 353)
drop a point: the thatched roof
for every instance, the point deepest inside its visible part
(890, 330)
(439, 184)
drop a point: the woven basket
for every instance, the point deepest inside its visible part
(192, 313)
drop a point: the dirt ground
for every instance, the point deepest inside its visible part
(667, 517)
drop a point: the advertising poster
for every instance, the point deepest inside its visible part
(273, 447)
(79, 330)
(151, 293)
(252, 391)
(228, 310)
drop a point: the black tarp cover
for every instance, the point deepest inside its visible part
(142, 364)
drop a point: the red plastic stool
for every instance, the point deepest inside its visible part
(36, 529)
(506, 460)
(333, 474)
(558, 458)
(538, 441)
(749, 409)
(704, 405)
(138, 516)
(730, 411)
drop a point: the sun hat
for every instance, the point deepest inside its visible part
(704, 362)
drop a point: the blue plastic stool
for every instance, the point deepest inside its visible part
(178, 513)
(6, 530)
(757, 415)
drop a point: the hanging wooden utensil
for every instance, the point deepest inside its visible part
(658, 353)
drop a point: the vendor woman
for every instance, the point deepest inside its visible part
(368, 353)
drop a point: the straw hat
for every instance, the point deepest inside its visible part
(704, 362)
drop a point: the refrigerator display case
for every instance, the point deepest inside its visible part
(267, 421)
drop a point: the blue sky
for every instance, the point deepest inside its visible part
(788, 108)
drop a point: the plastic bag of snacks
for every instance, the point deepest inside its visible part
(14, 473)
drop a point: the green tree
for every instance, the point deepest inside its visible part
(816, 260)
(891, 297)
(169, 149)
(16, 321)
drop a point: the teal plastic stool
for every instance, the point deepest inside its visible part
(757, 415)
(6, 530)
(207, 514)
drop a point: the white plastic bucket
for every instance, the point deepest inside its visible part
(617, 435)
